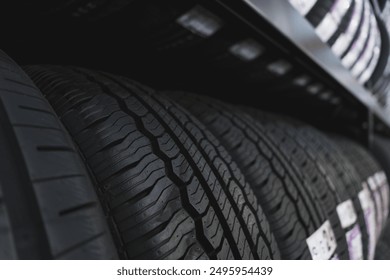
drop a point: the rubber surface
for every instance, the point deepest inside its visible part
(365, 165)
(382, 251)
(380, 148)
(344, 23)
(171, 190)
(327, 166)
(277, 174)
(48, 206)
(319, 11)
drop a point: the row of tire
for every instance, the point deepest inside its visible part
(350, 28)
(118, 170)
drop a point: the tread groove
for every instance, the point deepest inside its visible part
(26, 213)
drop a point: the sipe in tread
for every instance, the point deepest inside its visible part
(276, 174)
(326, 166)
(171, 190)
(38, 184)
(369, 172)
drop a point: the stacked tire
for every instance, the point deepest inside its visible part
(48, 205)
(336, 182)
(374, 193)
(351, 29)
(380, 148)
(170, 189)
(120, 170)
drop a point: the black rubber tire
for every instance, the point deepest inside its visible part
(171, 189)
(48, 206)
(380, 147)
(277, 170)
(382, 250)
(356, 17)
(331, 166)
(319, 11)
(367, 169)
(344, 24)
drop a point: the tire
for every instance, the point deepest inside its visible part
(313, 10)
(372, 173)
(382, 251)
(343, 42)
(275, 167)
(380, 149)
(351, 29)
(369, 60)
(48, 206)
(373, 179)
(170, 188)
(350, 16)
(330, 18)
(381, 162)
(355, 50)
(340, 177)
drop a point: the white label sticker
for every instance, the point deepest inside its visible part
(200, 21)
(339, 9)
(358, 45)
(322, 243)
(372, 184)
(355, 246)
(375, 54)
(347, 214)
(345, 39)
(327, 28)
(381, 181)
(247, 50)
(371, 67)
(378, 177)
(378, 201)
(368, 52)
(378, 204)
(329, 24)
(369, 217)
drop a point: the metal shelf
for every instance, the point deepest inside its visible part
(286, 21)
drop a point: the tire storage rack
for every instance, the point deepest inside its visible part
(162, 173)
